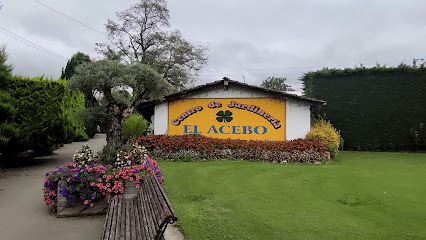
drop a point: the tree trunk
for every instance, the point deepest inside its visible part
(119, 112)
(114, 132)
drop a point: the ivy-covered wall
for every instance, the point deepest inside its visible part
(45, 113)
(375, 108)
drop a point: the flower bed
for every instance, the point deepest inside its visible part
(185, 147)
(89, 181)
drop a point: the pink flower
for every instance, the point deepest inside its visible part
(131, 178)
(92, 184)
(120, 196)
(100, 180)
(86, 202)
(69, 179)
(108, 184)
(92, 204)
(138, 186)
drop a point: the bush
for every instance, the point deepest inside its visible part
(374, 108)
(134, 127)
(195, 147)
(7, 128)
(45, 113)
(325, 132)
(109, 153)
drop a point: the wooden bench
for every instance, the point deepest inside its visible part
(144, 216)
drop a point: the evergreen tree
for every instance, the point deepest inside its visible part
(7, 111)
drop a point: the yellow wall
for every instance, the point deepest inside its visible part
(189, 116)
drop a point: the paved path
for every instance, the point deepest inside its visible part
(23, 213)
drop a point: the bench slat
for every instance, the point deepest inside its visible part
(158, 213)
(122, 219)
(166, 200)
(107, 224)
(118, 216)
(155, 213)
(164, 210)
(137, 221)
(147, 211)
(144, 225)
(127, 230)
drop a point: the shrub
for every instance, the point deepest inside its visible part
(374, 108)
(134, 127)
(45, 113)
(325, 132)
(108, 155)
(183, 147)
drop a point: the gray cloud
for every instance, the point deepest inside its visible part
(246, 38)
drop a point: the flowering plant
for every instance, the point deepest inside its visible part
(85, 157)
(195, 146)
(86, 180)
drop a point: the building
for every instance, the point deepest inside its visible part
(230, 109)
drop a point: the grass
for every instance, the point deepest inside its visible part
(364, 195)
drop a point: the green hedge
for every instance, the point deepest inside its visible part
(45, 113)
(374, 108)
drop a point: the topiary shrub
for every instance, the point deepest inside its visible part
(323, 131)
(134, 127)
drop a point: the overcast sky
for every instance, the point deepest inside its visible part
(254, 39)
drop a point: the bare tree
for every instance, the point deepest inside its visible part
(142, 35)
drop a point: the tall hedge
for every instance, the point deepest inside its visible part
(374, 108)
(45, 113)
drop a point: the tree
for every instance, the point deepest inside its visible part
(278, 84)
(142, 36)
(69, 71)
(109, 76)
(76, 59)
(7, 110)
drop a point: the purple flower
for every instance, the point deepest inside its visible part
(83, 197)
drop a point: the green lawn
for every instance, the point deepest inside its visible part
(364, 195)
